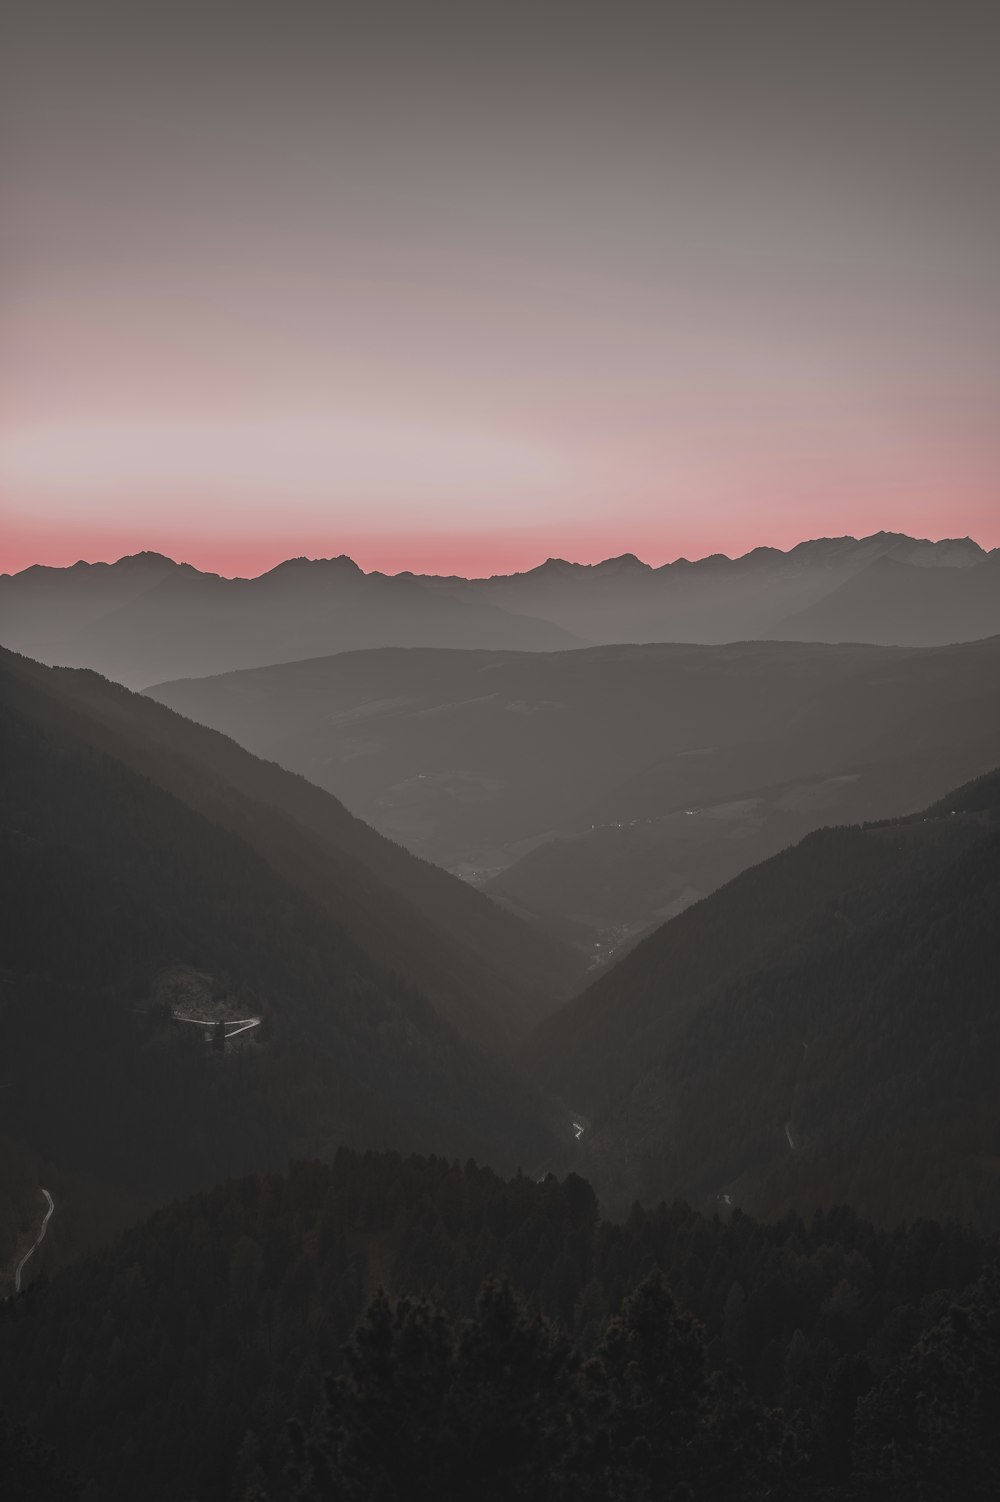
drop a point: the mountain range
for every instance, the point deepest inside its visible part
(146, 618)
(693, 943)
(827, 589)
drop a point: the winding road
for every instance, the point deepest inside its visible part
(37, 1242)
(242, 1027)
(238, 1024)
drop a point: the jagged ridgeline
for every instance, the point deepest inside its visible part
(147, 618)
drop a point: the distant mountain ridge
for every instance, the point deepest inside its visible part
(765, 594)
(146, 618)
(923, 552)
(954, 602)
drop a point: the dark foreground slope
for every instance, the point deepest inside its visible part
(824, 1028)
(124, 904)
(487, 972)
(167, 1366)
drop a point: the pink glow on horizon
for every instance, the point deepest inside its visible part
(480, 552)
(459, 305)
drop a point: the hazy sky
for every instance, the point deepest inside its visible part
(461, 286)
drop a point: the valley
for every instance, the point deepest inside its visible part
(596, 793)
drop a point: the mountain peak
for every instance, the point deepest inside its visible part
(341, 564)
(562, 567)
(551, 567)
(144, 560)
(621, 564)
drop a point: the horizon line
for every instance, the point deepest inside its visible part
(626, 557)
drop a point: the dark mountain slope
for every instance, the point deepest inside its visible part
(118, 900)
(490, 974)
(980, 796)
(823, 1028)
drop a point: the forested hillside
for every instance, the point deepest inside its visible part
(168, 1365)
(822, 1029)
(121, 904)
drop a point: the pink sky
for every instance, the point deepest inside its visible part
(666, 473)
(275, 288)
(472, 554)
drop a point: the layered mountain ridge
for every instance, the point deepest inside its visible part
(146, 618)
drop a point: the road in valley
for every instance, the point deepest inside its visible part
(37, 1243)
(238, 1024)
(242, 1027)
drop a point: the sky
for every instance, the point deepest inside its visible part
(459, 287)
